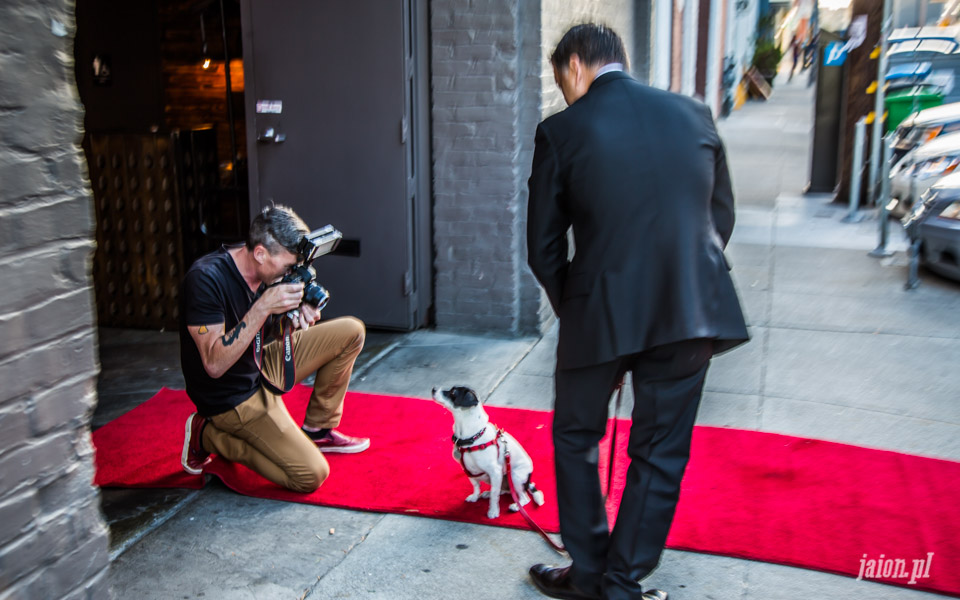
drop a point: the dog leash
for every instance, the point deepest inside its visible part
(513, 491)
(509, 475)
(516, 500)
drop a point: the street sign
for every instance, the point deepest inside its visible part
(835, 54)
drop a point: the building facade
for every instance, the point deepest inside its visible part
(483, 85)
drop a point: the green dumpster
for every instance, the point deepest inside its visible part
(903, 102)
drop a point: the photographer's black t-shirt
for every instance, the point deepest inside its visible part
(213, 291)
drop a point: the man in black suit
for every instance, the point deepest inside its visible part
(640, 174)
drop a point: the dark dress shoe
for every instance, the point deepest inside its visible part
(555, 582)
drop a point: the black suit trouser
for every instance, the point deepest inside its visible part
(667, 385)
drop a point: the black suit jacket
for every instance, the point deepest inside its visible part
(641, 175)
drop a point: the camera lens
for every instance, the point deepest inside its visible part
(316, 295)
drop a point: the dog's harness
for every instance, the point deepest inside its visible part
(463, 445)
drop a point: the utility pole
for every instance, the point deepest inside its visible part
(860, 79)
(878, 111)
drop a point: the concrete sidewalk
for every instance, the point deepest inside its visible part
(839, 351)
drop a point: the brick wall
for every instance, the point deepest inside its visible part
(53, 542)
(480, 155)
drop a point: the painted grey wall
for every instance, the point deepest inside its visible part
(561, 15)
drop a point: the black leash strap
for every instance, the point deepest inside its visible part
(289, 371)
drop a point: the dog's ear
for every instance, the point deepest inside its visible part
(464, 397)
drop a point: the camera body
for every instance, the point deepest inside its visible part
(312, 246)
(314, 294)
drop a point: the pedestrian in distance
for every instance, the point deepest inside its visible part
(641, 177)
(796, 46)
(227, 297)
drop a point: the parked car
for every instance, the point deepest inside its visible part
(935, 223)
(927, 32)
(917, 43)
(921, 168)
(924, 126)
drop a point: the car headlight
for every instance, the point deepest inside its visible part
(952, 211)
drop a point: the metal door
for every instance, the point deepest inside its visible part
(328, 97)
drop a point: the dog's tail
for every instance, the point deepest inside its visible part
(531, 488)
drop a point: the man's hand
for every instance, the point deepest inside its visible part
(282, 298)
(308, 316)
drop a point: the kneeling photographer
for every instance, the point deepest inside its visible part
(229, 300)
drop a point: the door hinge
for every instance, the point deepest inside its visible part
(404, 127)
(407, 283)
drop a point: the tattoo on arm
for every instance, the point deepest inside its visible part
(203, 329)
(234, 335)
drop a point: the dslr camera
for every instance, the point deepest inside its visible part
(312, 246)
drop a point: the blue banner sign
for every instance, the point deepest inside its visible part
(834, 54)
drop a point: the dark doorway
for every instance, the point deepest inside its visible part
(335, 110)
(164, 145)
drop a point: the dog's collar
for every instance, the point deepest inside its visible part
(483, 446)
(461, 442)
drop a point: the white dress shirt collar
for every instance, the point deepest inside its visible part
(608, 68)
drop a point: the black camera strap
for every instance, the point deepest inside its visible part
(289, 371)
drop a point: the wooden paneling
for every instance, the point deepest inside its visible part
(148, 190)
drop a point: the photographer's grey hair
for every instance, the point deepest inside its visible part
(594, 44)
(277, 227)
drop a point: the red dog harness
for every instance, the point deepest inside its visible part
(464, 447)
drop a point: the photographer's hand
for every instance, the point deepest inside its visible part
(279, 299)
(308, 315)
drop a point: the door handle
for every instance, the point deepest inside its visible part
(271, 135)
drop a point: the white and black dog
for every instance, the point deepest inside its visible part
(480, 448)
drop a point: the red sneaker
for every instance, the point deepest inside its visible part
(194, 458)
(336, 442)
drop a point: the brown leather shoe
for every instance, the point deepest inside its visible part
(555, 582)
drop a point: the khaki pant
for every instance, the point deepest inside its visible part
(260, 434)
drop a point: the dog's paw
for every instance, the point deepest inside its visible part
(514, 507)
(473, 497)
(537, 497)
(494, 512)
(485, 494)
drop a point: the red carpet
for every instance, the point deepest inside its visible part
(774, 498)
